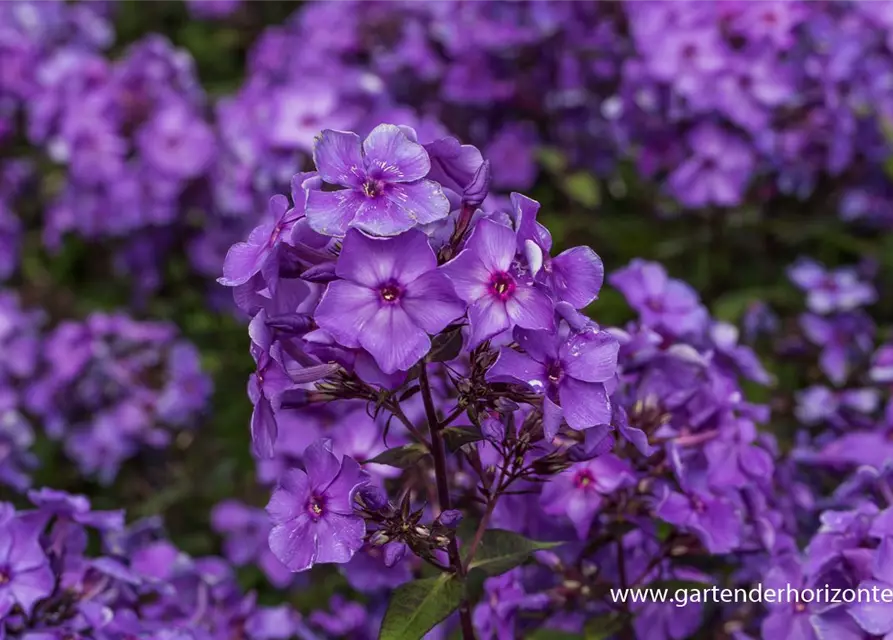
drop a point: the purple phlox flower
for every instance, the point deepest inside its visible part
(390, 298)
(75, 507)
(578, 491)
(25, 574)
(299, 110)
(176, 142)
(737, 357)
(828, 291)
(312, 510)
(852, 408)
(347, 621)
(844, 338)
(717, 171)
(665, 304)
(876, 617)
(385, 192)
(842, 534)
(360, 437)
(459, 168)
(713, 518)
(504, 596)
(260, 253)
(274, 623)
(574, 276)
(633, 435)
(499, 295)
(735, 460)
(570, 370)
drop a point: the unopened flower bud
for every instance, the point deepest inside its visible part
(422, 532)
(450, 518)
(379, 539)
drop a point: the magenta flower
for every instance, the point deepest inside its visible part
(571, 372)
(390, 297)
(578, 491)
(499, 295)
(385, 190)
(312, 511)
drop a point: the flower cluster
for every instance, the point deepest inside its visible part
(110, 385)
(415, 295)
(140, 585)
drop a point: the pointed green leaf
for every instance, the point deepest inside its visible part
(457, 437)
(401, 457)
(446, 345)
(502, 550)
(416, 607)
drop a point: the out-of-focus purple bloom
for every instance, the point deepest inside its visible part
(829, 291)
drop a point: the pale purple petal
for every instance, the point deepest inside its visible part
(577, 276)
(883, 561)
(585, 404)
(321, 464)
(289, 497)
(542, 346)
(421, 202)
(590, 357)
(431, 301)
(375, 261)
(494, 245)
(552, 417)
(581, 510)
(610, 472)
(487, 318)
(380, 216)
(511, 366)
(263, 428)
(29, 587)
(243, 261)
(393, 157)
(338, 158)
(875, 617)
(469, 276)
(344, 310)
(294, 543)
(530, 308)
(332, 212)
(339, 537)
(394, 340)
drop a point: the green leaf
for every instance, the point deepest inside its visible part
(446, 345)
(552, 160)
(401, 457)
(603, 627)
(457, 437)
(416, 607)
(552, 634)
(502, 550)
(583, 188)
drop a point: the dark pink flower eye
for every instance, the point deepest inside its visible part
(502, 285)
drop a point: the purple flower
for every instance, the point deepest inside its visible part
(712, 518)
(385, 193)
(876, 617)
(578, 491)
(391, 296)
(717, 171)
(665, 304)
(25, 575)
(569, 370)
(827, 291)
(499, 295)
(312, 510)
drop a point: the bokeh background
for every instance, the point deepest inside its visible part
(139, 140)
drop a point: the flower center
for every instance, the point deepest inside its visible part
(315, 507)
(502, 285)
(698, 505)
(655, 304)
(390, 292)
(5, 576)
(373, 188)
(799, 607)
(583, 479)
(554, 372)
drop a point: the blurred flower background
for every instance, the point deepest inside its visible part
(745, 146)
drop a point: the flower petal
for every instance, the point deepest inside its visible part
(263, 428)
(577, 276)
(339, 537)
(344, 309)
(374, 261)
(30, 586)
(294, 543)
(243, 261)
(331, 212)
(338, 158)
(393, 157)
(321, 464)
(530, 308)
(494, 245)
(591, 357)
(487, 317)
(394, 340)
(422, 202)
(339, 493)
(431, 301)
(512, 366)
(289, 497)
(469, 275)
(585, 404)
